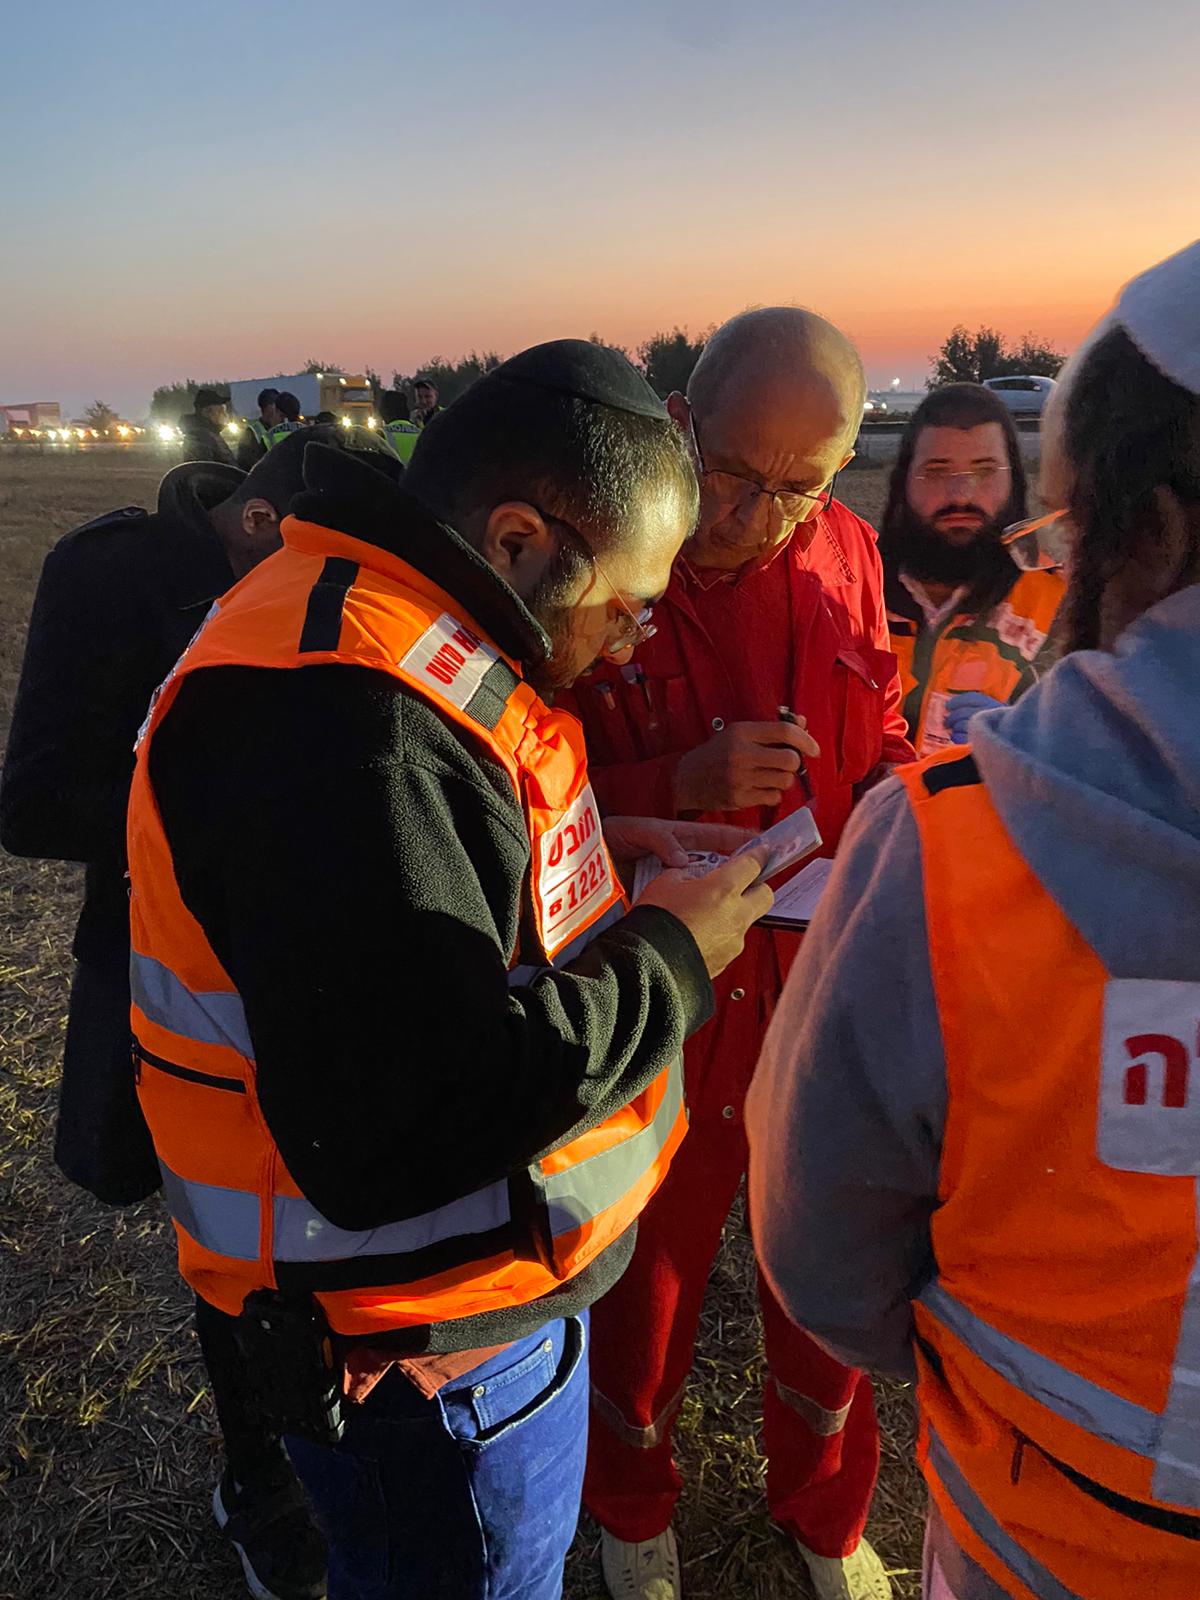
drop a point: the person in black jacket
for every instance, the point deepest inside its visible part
(203, 429)
(117, 602)
(362, 876)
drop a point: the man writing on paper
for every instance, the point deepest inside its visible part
(410, 1064)
(691, 727)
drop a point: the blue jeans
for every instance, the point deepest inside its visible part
(473, 1495)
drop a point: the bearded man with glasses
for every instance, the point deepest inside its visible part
(971, 598)
(776, 602)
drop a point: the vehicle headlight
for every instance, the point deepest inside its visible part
(166, 432)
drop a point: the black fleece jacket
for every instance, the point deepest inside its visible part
(117, 602)
(359, 864)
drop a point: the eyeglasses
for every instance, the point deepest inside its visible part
(940, 478)
(1039, 544)
(634, 628)
(731, 489)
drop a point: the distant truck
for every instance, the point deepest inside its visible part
(347, 395)
(29, 416)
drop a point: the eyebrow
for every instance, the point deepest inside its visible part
(789, 486)
(976, 461)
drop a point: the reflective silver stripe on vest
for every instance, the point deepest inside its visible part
(998, 1540)
(1177, 1470)
(216, 1018)
(1075, 1398)
(520, 977)
(226, 1221)
(303, 1234)
(584, 1191)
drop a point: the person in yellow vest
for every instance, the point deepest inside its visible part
(409, 1060)
(401, 434)
(970, 628)
(975, 1132)
(253, 442)
(288, 408)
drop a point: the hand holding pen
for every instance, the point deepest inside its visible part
(745, 764)
(786, 714)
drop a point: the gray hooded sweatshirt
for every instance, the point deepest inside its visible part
(1095, 773)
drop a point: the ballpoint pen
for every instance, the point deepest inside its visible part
(787, 715)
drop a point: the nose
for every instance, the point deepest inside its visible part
(759, 518)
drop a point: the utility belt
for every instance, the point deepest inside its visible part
(293, 1377)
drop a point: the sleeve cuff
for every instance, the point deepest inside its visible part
(676, 947)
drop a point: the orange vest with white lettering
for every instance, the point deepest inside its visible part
(242, 1222)
(996, 654)
(1059, 1340)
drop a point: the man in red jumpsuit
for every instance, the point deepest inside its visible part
(777, 601)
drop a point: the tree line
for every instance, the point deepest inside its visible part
(667, 359)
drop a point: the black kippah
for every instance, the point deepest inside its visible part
(585, 371)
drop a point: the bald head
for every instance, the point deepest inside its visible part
(794, 355)
(776, 401)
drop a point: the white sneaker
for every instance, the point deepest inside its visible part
(858, 1576)
(645, 1571)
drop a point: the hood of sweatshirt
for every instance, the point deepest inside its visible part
(1096, 775)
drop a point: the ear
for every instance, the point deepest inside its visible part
(519, 544)
(1163, 560)
(1169, 558)
(260, 520)
(680, 412)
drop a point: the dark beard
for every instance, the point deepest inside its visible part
(549, 607)
(922, 553)
(551, 674)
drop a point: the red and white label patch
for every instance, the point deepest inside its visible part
(1150, 1077)
(451, 659)
(574, 877)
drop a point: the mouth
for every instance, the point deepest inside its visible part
(959, 519)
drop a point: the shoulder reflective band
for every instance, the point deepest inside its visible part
(1074, 1398)
(216, 1018)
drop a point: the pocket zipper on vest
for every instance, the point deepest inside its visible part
(210, 1080)
(1018, 1458)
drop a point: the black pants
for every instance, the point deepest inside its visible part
(252, 1451)
(102, 1144)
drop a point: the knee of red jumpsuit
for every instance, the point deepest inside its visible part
(641, 1356)
(821, 1439)
(644, 1330)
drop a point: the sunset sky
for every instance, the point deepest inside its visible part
(225, 189)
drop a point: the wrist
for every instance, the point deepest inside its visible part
(682, 799)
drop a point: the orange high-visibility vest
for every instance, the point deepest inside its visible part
(993, 654)
(242, 1222)
(1059, 1340)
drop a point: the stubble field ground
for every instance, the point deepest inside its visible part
(108, 1446)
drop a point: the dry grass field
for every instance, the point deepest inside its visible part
(108, 1453)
